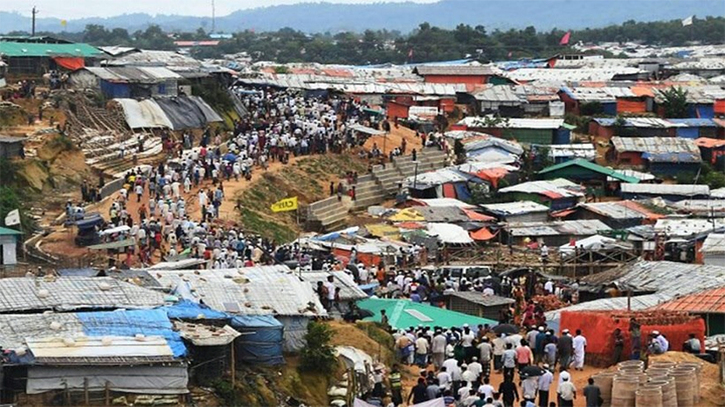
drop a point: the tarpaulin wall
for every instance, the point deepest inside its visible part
(127, 379)
(598, 328)
(261, 340)
(295, 329)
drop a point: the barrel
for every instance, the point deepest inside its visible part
(662, 364)
(698, 369)
(623, 391)
(604, 381)
(693, 370)
(684, 384)
(669, 393)
(648, 397)
(637, 362)
(657, 371)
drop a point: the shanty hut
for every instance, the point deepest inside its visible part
(403, 314)
(554, 233)
(533, 131)
(263, 290)
(713, 249)
(477, 304)
(520, 211)
(99, 355)
(557, 194)
(35, 56)
(466, 74)
(709, 304)
(618, 214)
(11, 147)
(661, 155)
(8, 246)
(670, 192)
(128, 82)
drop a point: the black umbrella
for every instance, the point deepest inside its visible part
(532, 371)
(507, 329)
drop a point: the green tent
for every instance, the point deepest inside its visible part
(403, 314)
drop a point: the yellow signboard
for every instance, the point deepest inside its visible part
(287, 204)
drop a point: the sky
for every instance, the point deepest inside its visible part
(74, 9)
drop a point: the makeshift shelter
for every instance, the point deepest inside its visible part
(403, 314)
(22, 294)
(708, 304)
(581, 170)
(533, 131)
(209, 349)
(263, 290)
(178, 113)
(670, 192)
(477, 304)
(123, 351)
(554, 233)
(12, 147)
(557, 194)
(618, 214)
(262, 339)
(34, 56)
(8, 246)
(660, 155)
(713, 249)
(599, 327)
(520, 211)
(449, 233)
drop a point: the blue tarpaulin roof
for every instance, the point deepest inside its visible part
(153, 322)
(185, 309)
(672, 157)
(694, 122)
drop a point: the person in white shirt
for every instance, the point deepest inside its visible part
(514, 340)
(475, 367)
(544, 385)
(549, 287)
(579, 344)
(438, 349)
(421, 352)
(467, 376)
(444, 379)
(529, 387)
(467, 338)
(451, 365)
(567, 393)
(486, 389)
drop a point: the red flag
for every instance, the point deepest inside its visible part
(565, 38)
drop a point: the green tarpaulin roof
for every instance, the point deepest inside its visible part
(592, 167)
(30, 49)
(403, 314)
(7, 231)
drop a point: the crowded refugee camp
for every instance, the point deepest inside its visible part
(447, 203)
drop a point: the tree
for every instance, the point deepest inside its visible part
(674, 101)
(318, 355)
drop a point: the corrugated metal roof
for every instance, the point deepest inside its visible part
(155, 58)
(665, 278)
(512, 123)
(588, 165)
(69, 293)
(515, 208)
(687, 227)
(655, 145)
(718, 193)
(707, 302)
(501, 93)
(559, 188)
(264, 290)
(571, 75)
(131, 74)
(348, 289)
(582, 227)
(10, 139)
(666, 189)
(701, 206)
(619, 210)
(479, 298)
(460, 70)
(636, 303)
(714, 243)
(29, 49)
(584, 150)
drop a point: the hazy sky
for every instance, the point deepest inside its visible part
(73, 9)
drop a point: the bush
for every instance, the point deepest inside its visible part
(225, 390)
(318, 355)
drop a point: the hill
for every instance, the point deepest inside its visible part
(322, 17)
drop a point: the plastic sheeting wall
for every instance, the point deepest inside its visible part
(261, 341)
(295, 329)
(127, 379)
(186, 112)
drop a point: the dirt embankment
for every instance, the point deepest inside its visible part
(308, 178)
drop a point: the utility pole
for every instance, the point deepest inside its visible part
(213, 17)
(35, 11)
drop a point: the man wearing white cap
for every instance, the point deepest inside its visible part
(544, 385)
(438, 348)
(565, 348)
(475, 367)
(580, 347)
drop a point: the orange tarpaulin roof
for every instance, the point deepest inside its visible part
(475, 216)
(72, 64)
(483, 234)
(643, 91)
(410, 225)
(492, 175)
